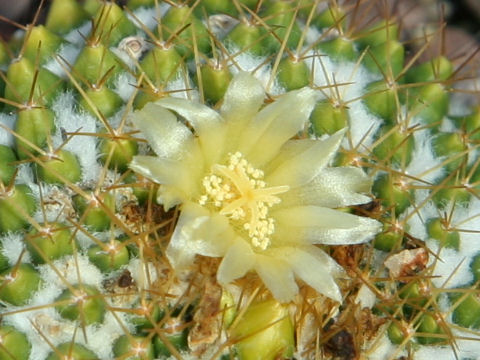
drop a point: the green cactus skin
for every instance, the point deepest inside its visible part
(139, 348)
(7, 164)
(73, 351)
(52, 242)
(18, 284)
(16, 205)
(109, 257)
(63, 163)
(13, 344)
(83, 303)
(92, 213)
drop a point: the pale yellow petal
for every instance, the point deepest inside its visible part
(300, 169)
(243, 98)
(168, 137)
(334, 187)
(238, 260)
(277, 276)
(313, 266)
(275, 124)
(213, 235)
(200, 116)
(179, 252)
(161, 171)
(208, 124)
(181, 177)
(319, 225)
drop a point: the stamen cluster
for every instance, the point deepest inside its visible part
(240, 193)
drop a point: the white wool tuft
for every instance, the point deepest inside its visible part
(424, 163)
(12, 247)
(69, 53)
(125, 86)
(352, 80)
(464, 348)
(452, 269)
(78, 35)
(8, 121)
(148, 16)
(384, 349)
(84, 147)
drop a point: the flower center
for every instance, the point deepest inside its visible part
(240, 193)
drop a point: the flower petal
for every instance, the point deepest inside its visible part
(238, 260)
(315, 267)
(179, 252)
(200, 116)
(333, 187)
(275, 124)
(319, 225)
(168, 137)
(180, 177)
(199, 232)
(303, 167)
(208, 125)
(277, 276)
(243, 99)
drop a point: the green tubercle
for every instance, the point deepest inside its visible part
(83, 303)
(14, 345)
(16, 206)
(109, 256)
(18, 284)
(52, 242)
(72, 351)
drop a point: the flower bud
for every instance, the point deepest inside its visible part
(264, 331)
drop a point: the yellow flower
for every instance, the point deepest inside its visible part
(248, 192)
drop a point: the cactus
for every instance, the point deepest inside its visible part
(104, 255)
